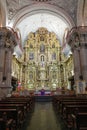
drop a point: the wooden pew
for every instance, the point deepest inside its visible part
(70, 105)
(12, 114)
(64, 104)
(73, 109)
(26, 106)
(58, 100)
(80, 121)
(16, 108)
(19, 107)
(6, 124)
(28, 101)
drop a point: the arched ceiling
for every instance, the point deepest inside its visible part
(28, 15)
(10, 11)
(30, 18)
(51, 22)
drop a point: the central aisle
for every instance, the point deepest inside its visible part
(43, 118)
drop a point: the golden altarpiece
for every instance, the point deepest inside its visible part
(41, 60)
(42, 65)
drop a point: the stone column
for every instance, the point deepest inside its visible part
(77, 39)
(77, 64)
(83, 52)
(8, 40)
(8, 68)
(1, 64)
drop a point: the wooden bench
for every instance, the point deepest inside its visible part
(6, 124)
(19, 107)
(80, 121)
(12, 114)
(30, 100)
(68, 106)
(64, 104)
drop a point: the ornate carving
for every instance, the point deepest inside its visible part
(41, 65)
(8, 38)
(76, 38)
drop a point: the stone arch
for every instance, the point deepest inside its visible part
(38, 8)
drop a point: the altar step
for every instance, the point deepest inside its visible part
(43, 98)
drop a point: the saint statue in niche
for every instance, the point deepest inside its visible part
(31, 75)
(53, 46)
(42, 75)
(31, 46)
(54, 75)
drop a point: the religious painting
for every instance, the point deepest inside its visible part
(42, 48)
(54, 56)
(31, 56)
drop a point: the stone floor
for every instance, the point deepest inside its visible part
(43, 118)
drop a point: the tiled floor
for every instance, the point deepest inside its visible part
(43, 118)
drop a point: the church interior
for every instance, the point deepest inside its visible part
(43, 65)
